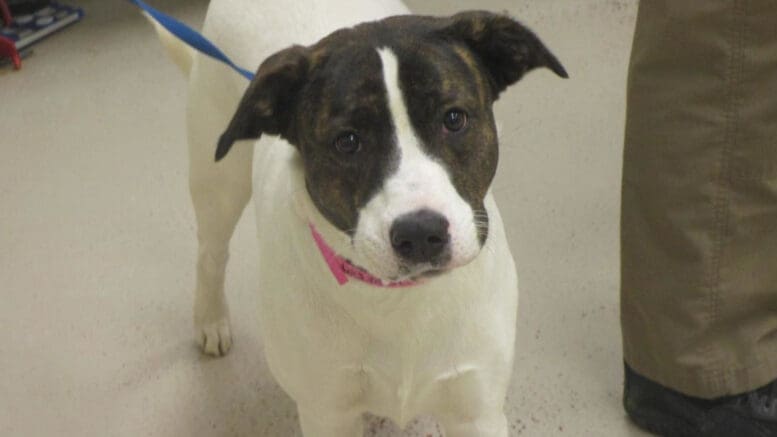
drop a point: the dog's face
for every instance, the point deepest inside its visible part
(393, 121)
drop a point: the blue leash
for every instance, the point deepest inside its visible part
(191, 37)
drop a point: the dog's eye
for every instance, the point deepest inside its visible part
(348, 143)
(455, 120)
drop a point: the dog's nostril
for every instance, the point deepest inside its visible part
(405, 247)
(419, 236)
(434, 240)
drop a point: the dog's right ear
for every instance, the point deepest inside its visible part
(266, 104)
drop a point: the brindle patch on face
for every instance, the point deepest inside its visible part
(436, 78)
(345, 95)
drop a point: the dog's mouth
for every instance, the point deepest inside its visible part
(406, 276)
(415, 273)
(343, 269)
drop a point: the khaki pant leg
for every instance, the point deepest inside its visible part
(699, 201)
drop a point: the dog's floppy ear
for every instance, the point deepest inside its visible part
(505, 47)
(267, 103)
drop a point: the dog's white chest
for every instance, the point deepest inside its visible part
(402, 387)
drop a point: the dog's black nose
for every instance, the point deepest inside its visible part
(419, 236)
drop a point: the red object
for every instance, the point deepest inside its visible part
(6, 13)
(8, 49)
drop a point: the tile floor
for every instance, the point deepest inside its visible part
(97, 238)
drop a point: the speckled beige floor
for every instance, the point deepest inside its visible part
(97, 238)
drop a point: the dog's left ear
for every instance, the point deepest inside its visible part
(266, 106)
(506, 48)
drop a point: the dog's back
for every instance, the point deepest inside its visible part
(249, 31)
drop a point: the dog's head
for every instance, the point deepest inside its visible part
(393, 121)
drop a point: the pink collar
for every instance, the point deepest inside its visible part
(342, 268)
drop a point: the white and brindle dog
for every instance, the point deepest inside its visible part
(387, 285)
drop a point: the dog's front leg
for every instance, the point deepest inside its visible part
(316, 423)
(472, 404)
(220, 192)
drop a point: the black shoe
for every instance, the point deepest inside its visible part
(666, 412)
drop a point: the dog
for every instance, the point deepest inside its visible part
(387, 284)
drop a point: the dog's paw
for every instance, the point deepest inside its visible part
(214, 338)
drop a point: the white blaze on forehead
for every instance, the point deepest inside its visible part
(418, 177)
(419, 182)
(406, 139)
